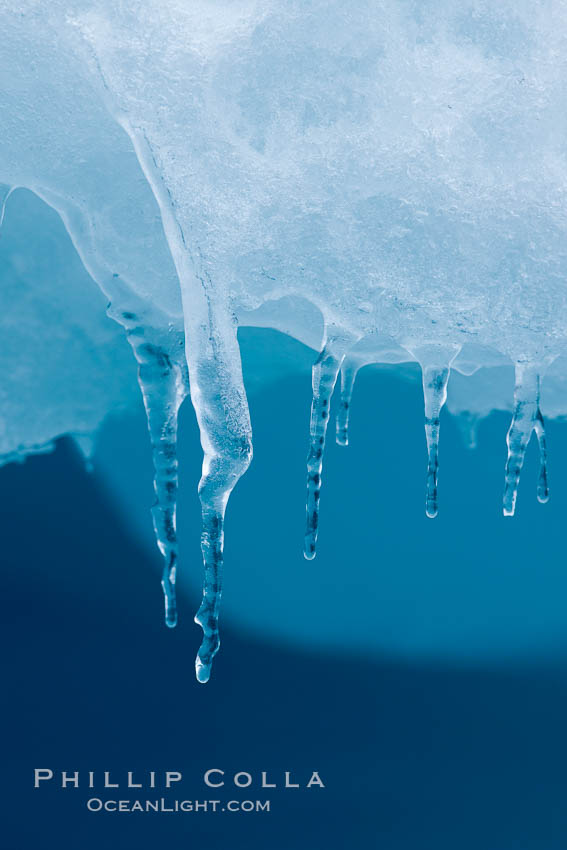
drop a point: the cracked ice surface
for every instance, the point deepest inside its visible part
(397, 168)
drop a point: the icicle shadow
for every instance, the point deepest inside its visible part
(162, 375)
(324, 378)
(349, 371)
(526, 419)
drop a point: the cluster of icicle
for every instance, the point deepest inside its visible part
(375, 157)
(164, 385)
(526, 419)
(226, 435)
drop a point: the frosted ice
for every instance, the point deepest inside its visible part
(384, 181)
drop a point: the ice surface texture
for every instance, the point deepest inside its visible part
(399, 168)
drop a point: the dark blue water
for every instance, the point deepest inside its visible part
(438, 755)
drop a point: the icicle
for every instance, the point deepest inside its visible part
(227, 444)
(526, 419)
(325, 373)
(348, 376)
(163, 381)
(542, 482)
(212, 544)
(217, 394)
(435, 394)
(435, 360)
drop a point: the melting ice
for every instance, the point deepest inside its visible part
(397, 169)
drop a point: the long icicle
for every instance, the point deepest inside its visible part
(217, 388)
(162, 376)
(526, 419)
(324, 377)
(348, 376)
(227, 454)
(542, 481)
(435, 395)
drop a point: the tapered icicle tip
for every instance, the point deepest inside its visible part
(168, 577)
(162, 377)
(434, 394)
(207, 618)
(542, 482)
(169, 597)
(325, 373)
(342, 423)
(542, 488)
(202, 671)
(348, 377)
(310, 542)
(205, 656)
(212, 539)
(526, 419)
(431, 507)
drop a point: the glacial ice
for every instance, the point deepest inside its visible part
(384, 181)
(66, 380)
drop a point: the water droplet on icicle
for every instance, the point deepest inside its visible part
(348, 376)
(526, 419)
(163, 381)
(324, 378)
